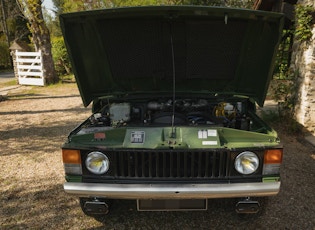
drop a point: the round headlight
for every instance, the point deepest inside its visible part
(97, 163)
(246, 163)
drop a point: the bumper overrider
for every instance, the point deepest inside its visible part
(172, 191)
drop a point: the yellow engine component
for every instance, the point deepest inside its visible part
(224, 109)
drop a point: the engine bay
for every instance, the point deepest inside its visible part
(236, 113)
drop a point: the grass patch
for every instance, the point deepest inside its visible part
(58, 88)
(68, 78)
(28, 91)
(8, 83)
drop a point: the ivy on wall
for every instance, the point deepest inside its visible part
(303, 22)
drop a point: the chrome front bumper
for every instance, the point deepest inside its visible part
(172, 191)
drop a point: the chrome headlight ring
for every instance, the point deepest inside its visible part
(97, 162)
(246, 163)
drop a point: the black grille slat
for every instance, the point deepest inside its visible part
(143, 165)
(122, 165)
(207, 166)
(164, 164)
(171, 164)
(129, 164)
(227, 165)
(136, 165)
(199, 164)
(221, 166)
(157, 171)
(150, 165)
(192, 164)
(214, 165)
(178, 165)
(185, 164)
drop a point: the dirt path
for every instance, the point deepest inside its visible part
(32, 131)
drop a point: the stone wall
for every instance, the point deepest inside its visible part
(303, 66)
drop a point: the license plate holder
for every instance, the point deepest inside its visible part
(172, 205)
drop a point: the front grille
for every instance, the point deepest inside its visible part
(170, 164)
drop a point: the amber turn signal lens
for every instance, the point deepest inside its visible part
(273, 156)
(71, 156)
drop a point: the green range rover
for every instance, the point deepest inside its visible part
(173, 92)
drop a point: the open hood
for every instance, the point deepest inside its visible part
(183, 48)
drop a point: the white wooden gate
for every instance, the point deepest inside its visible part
(29, 68)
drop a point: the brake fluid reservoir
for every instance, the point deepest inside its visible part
(119, 112)
(229, 108)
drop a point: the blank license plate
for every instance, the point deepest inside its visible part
(172, 205)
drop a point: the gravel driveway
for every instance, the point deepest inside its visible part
(33, 127)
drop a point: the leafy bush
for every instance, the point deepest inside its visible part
(60, 56)
(285, 92)
(5, 59)
(303, 30)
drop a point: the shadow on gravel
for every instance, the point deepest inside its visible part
(22, 112)
(34, 139)
(15, 97)
(29, 207)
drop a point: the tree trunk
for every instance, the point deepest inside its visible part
(4, 22)
(41, 39)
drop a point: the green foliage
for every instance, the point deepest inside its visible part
(284, 56)
(5, 59)
(60, 56)
(229, 3)
(52, 23)
(303, 30)
(284, 91)
(240, 4)
(283, 88)
(12, 27)
(64, 6)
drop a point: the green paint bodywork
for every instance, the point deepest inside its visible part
(216, 50)
(72, 178)
(185, 138)
(270, 179)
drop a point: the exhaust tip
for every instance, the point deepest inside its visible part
(95, 207)
(247, 207)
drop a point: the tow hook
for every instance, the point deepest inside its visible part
(95, 207)
(247, 206)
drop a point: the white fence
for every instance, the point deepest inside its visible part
(29, 68)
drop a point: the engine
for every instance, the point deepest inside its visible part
(168, 112)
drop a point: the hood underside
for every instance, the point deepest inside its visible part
(167, 48)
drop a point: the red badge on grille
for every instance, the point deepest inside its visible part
(99, 136)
